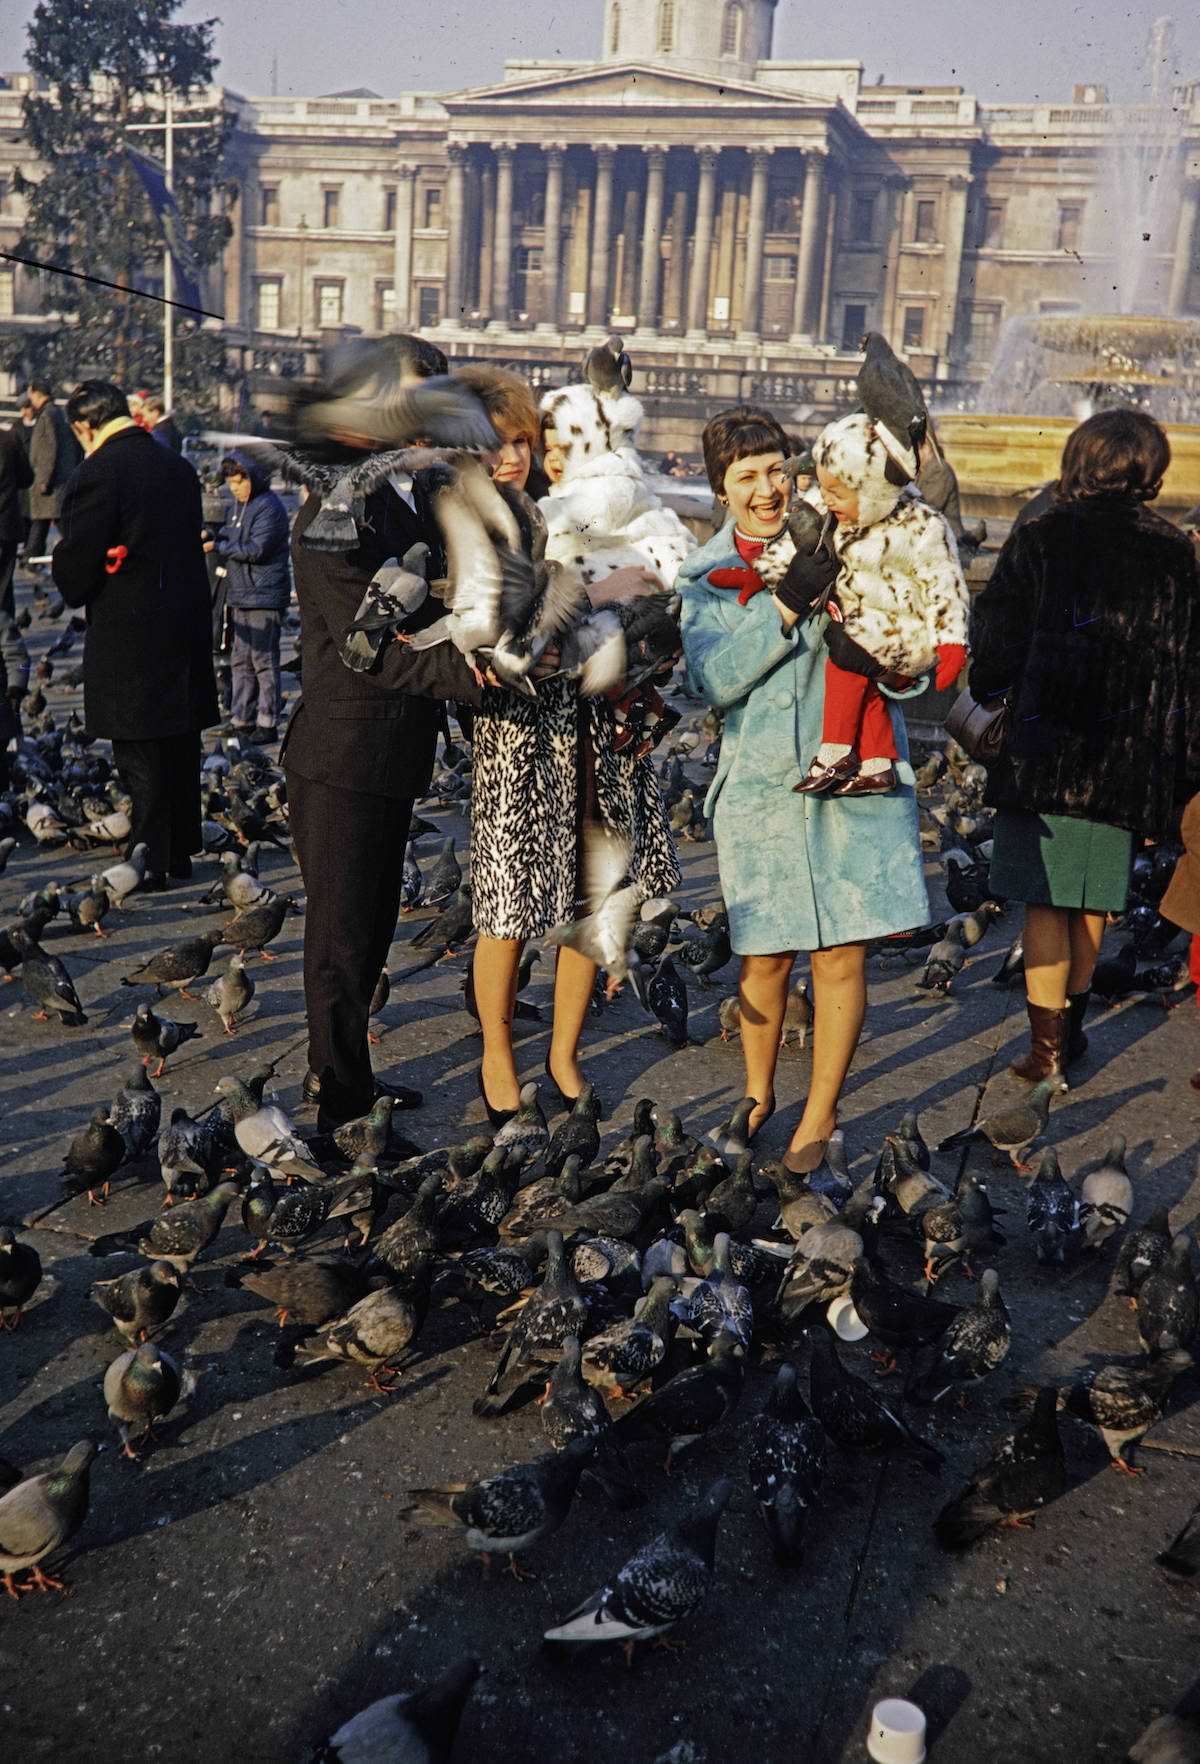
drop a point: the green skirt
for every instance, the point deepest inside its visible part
(1056, 860)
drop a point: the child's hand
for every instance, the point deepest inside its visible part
(951, 660)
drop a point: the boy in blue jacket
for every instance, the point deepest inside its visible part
(252, 549)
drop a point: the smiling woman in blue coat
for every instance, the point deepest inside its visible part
(798, 871)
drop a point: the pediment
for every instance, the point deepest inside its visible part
(625, 85)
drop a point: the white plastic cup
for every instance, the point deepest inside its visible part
(844, 1320)
(897, 1733)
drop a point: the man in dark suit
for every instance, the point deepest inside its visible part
(53, 454)
(130, 553)
(161, 424)
(16, 475)
(358, 750)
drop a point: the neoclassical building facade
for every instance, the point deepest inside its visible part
(741, 219)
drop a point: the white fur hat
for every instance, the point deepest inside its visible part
(590, 424)
(850, 451)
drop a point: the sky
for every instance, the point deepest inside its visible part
(998, 49)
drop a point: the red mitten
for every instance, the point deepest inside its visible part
(742, 577)
(951, 660)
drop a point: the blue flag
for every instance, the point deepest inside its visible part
(170, 220)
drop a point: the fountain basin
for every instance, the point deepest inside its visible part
(1001, 459)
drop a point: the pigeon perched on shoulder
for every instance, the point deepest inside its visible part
(40, 1514)
(414, 1727)
(893, 401)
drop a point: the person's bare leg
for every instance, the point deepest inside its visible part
(574, 977)
(1085, 932)
(1047, 943)
(495, 972)
(839, 1006)
(762, 1000)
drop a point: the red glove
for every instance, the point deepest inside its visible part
(114, 557)
(742, 577)
(951, 660)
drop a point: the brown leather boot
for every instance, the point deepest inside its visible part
(1047, 1029)
(1075, 1044)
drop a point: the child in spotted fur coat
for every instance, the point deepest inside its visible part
(898, 608)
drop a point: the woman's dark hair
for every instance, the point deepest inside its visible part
(736, 434)
(96, 402)
(1114, 453)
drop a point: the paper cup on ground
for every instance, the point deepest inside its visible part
(844, 1320)
(897, 1733)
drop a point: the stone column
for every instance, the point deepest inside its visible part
(502, 261)
(954, 235)
(406, 182)
(831, 241)
(629, 233)
(656, 168)
(552, 238)
(1185, 245)
(697, 310)
(487, 236)
(456, 233)
(894, 190)
(600, 267)
(808, 268)
(675, 294)
(756, 233)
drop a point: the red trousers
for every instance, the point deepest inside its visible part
(856, 715)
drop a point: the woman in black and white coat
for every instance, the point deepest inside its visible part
(541, 769)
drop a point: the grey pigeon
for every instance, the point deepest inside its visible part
(375, 1331)
(178, 965)
(509, 1513)
(1052, 1212)
(140, 1388)
(230, 994)
(141, 1301)
(46, 981)
(39, 1515)
(718, 1304)
(264, 1132)
(395, 592)
(607, 367)
(414, 1727)
(157, 1038)
(975, 1342)
(184, 1150)
(444, 878)
(1012, 1129)
(179, 1235)
(785, 1459)
(256, 926)
(123, 879)
(1106, 1197)
(1124, 1402)
(20, 1276)
(135, 1113)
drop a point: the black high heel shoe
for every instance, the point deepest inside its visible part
(497, 1117)
(565, 1101)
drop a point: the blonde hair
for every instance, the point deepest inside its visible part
(506, 397)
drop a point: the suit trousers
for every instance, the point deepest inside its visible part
(256, 684)
(350, 847)
(163, 778)
(8, 563)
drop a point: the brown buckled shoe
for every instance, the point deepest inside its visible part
(821, 780)
(867, 784)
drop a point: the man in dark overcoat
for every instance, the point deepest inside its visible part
(358, 750)
(16, 475)
(53, 454)
(130, 554)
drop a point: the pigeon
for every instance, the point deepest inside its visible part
(406, 1246)
(238, 883)
(604, 930)
(1168, 1302)
(893, 401)
(396, 591)
(89, 907)
(184, 1155)
(973, 1344)
(732, 1137)
(20, 1276)
(442, 935)
(40, 1514)
(797, 1017)
(822, 1263)
(1012, 968)
(310, 1291)
(265, 1133)
(1141, 1254)
(179, 1235)
(571, 1408)
(177, 965)
(141, 1387)
(556, 1309)
(729, 1018)
(944, 961)
(972, 927)
(135, 1112)
(290, 1216)
(896, 1316)
(141, 1301)
(417, 1727)
(1182, 1554)
(661, 1583)
(93, 1158)
(1106, 1197)
(444, 879)
(365, 1139)
(1115, 976)
(526, 1130)
(667, 999)
(978, 1220)
(1026, 1471)
(707, 955)
(718, 1305)
(157, 1038)
(372, 393)
(254, 928)
(379, 998)
(412, 884)
(1124, 1402)
(1172, 1738)
(375, 1331)
(230, 994)
(690, 1404)
(785, 1460)
(123, 879)
(853, 1415)
(732, 1202)
(1052, 1212)
(607, 367)
(627, 1353)
(578, 1136)
(509, 1513)
(1012, 1129)
(46, 981)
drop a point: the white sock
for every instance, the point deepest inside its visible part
(870, 767)
(831, 751)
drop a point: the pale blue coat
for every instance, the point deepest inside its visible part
(797, 872)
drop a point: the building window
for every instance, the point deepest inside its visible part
(331, 206)
(981, 331)
(328, 303)
(862, 219)
(8, 293)
(429, 307)
(267, 303)
(268, 205)
(665, 41)
(614, 38)
(925, 221)
(385, 306)
(433, 208)
(1070, 225)
(914, 327)
(854, 323)
(991, 230)
(731, 28)
(779, 266)
(389, 210)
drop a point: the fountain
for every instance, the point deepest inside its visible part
(1120, 349)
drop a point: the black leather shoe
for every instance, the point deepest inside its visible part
(154, 883)
(401, 1095)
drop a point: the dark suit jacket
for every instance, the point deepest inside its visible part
(167, 434)
(147, 656)
(373, 732)
(54, 454)
(16, 475)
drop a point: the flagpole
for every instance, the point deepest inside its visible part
(168, 386)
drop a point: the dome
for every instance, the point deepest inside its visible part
(712, 37)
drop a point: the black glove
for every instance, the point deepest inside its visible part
(808, 580)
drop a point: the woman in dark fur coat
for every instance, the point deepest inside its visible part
(1091, 625)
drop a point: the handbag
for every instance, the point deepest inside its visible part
(980, 729)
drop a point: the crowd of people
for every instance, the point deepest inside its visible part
(1088, 629)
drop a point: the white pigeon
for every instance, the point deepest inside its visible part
(268, 1136)
(473, 518)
